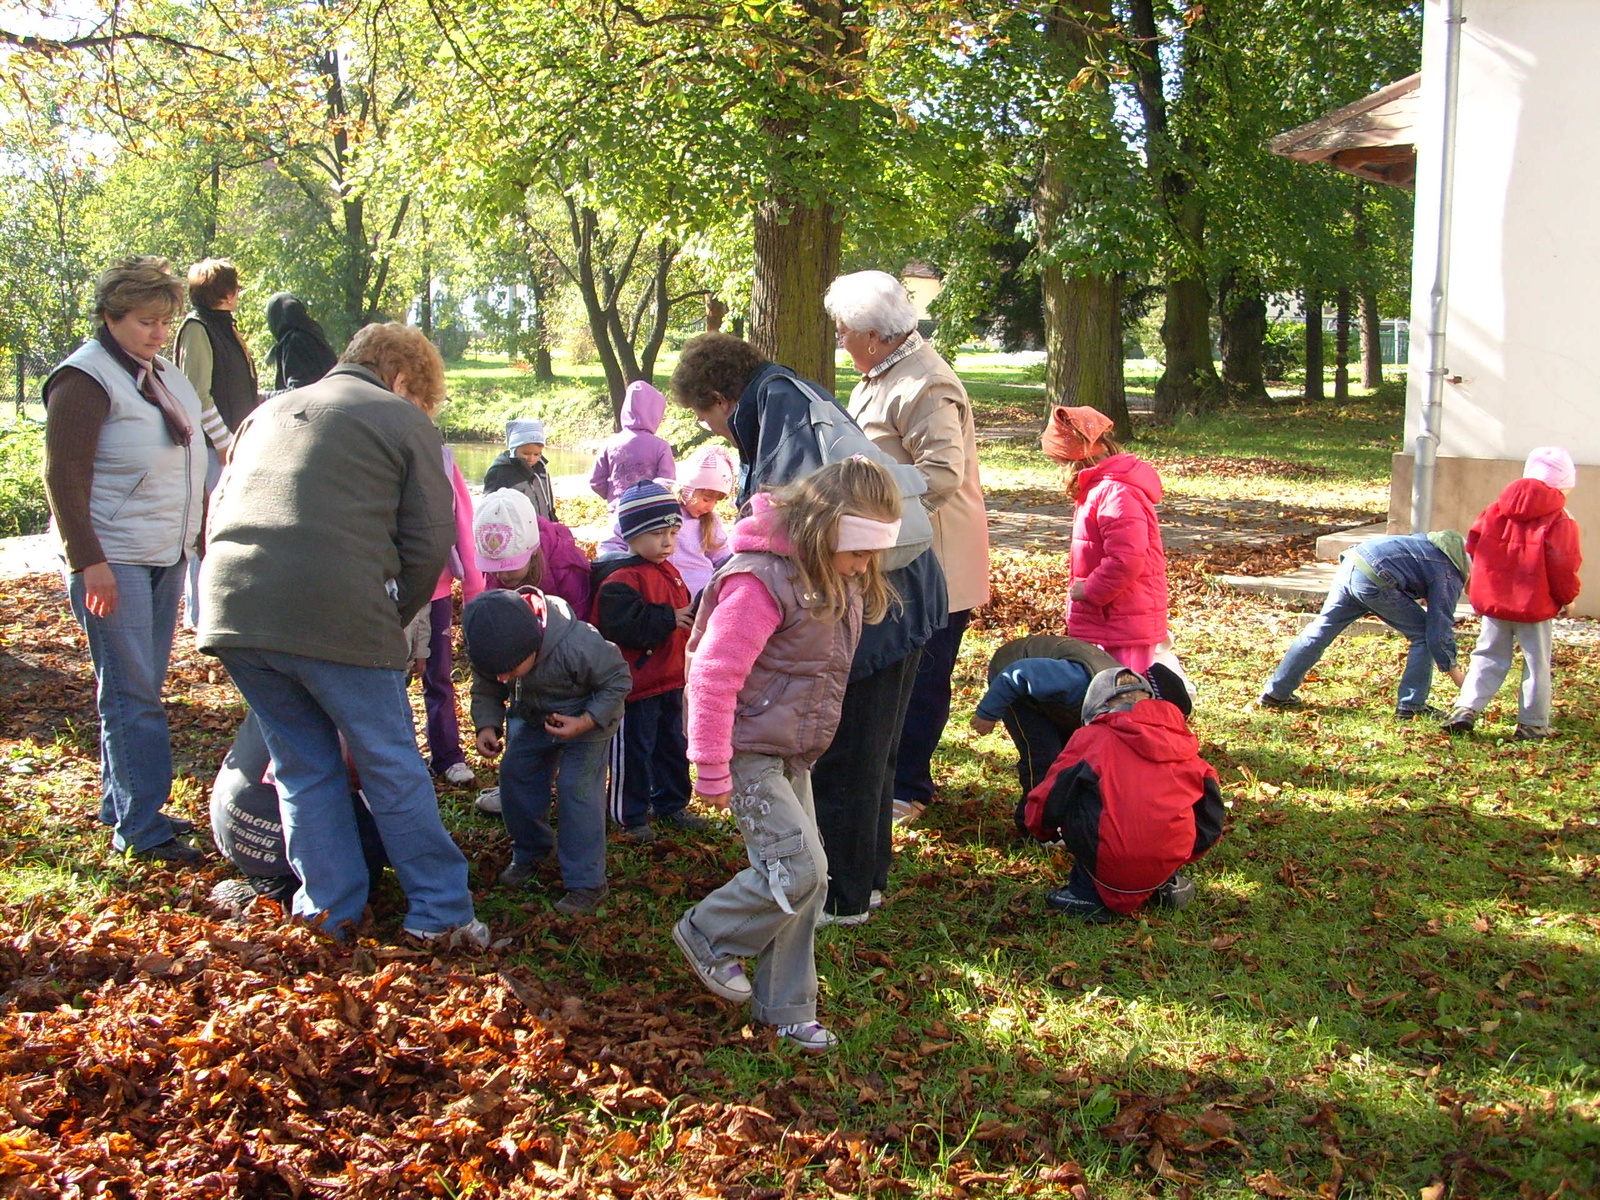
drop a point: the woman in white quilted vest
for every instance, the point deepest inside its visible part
(125, 471)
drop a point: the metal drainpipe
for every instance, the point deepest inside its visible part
(1425, 461)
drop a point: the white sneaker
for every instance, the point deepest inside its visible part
(812, 1037)
(489, 801)
(459, 774)
(828, 918)
(875, 900)
(473, 934)
(908, 812)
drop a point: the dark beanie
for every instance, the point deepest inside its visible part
(646, 506)
(1167, 684)
(501, 630)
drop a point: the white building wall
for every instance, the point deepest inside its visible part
(1523, 325)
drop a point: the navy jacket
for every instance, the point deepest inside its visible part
(771, 427)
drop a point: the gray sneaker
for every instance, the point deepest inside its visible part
(1460, 720)
(812, 1037)
(688, 820)
(581, 902)
(639, 835)
(489, 801)
(726, 978)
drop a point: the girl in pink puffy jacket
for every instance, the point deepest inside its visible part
(1118, 597)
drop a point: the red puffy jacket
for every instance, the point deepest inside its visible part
(1133, 800)
(1118, 556)
(1525, 554)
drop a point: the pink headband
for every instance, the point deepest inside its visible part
(860, 533)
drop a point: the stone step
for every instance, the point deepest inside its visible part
(1331, 545)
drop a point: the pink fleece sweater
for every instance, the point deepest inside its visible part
(737, 631)
(463, 564)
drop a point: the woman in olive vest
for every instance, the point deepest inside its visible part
(125, 471)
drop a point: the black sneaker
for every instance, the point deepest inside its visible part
(1531, 733)
(170, 851)
(639, 835)
(688, 820)
(519, 873)
(1268, 700)
(1460, 720)
(1176, 893)
(1067, 901)
(181, 826)
(1411, 714)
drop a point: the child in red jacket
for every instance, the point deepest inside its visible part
(642, 604)
(1525, 559)
(1118, 595)
(1131, 798)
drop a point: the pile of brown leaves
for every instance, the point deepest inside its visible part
(1230, 467)
(1028, 589)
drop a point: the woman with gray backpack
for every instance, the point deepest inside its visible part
(784, 428)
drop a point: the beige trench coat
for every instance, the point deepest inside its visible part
(918, 412)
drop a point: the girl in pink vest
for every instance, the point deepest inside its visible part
(1118, 597)
(769, 659)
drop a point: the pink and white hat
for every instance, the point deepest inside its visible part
(1551, 465)
(710, 467)
(505, 530)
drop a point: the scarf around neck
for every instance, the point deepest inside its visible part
(147, 382)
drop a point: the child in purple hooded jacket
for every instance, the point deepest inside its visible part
(636, 453)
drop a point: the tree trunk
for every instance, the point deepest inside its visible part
(1315, 392)
(1082, 310)
(1371, 342)
(426, 307)
(797, 256)
(542, 367)
(716, 313)
(582, 223)
(1189, 384)
(1242, 313)
(1341, 348)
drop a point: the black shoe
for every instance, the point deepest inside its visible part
(519, 873)
(1268, 700)
(639, 835)
(1411, 714)
(170, 851)
(688, 820)
(181, 826)
(1067, 901)
(1531, 733)
(1460, 720)
(1176, 893)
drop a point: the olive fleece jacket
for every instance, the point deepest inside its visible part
(330, 527)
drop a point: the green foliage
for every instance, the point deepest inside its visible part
(23, 508)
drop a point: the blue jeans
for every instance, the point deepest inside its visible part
(304, 704)
(1355, 595)
(130, 649)
(534, 759)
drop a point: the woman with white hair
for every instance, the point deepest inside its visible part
(912, 405)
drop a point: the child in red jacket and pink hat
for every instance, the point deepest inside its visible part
(1118, 596)
(1525, 559)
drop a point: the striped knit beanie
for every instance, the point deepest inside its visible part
(646, 506)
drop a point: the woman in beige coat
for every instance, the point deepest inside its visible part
(912, 405)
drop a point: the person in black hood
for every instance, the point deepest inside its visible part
(300, 352)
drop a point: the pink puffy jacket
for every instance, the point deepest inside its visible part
(1117, 554)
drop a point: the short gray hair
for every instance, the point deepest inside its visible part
(872, 301)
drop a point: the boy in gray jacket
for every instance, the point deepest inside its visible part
(566, 686)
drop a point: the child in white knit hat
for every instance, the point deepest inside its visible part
(521, 466)
(1525, 559)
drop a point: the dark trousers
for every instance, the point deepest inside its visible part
(439, 692)
(1039, 742)
(852, 786)
(928, 712)
(649, 760)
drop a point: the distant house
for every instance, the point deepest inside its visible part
(1521, 313)
(923, 285)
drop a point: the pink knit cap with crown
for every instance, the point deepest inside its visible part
(1552, 465)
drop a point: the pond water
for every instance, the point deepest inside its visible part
(474, 458)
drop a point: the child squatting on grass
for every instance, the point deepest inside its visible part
(1526, 555)
(1131, 798)
(770, 658)
(566, 686)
